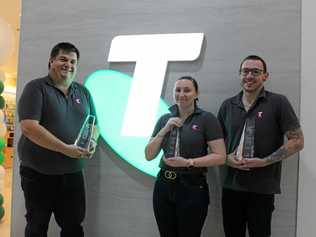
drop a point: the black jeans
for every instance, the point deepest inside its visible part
(180, 205)
(246, 209)
(62, 195)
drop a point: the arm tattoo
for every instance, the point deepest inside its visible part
(294, 144)
(294, 134)
(278, 155)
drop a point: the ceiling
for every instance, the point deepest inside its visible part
(10, 11)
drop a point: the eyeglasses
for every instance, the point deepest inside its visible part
(254, 72)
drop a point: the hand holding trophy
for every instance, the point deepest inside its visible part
(84, 139)
(245, 149)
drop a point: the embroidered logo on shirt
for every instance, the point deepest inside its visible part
(260, 114)
(195, 127)
(78, 101)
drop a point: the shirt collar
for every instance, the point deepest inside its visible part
(50, 82)
(237, 100)
(174, 110)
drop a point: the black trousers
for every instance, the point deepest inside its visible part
(247, 209)
(180, 205)
(62, 195)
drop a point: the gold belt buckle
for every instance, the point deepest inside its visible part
(168, 174)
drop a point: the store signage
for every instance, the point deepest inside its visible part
(128, 107)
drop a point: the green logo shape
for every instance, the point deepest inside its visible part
(110, 91)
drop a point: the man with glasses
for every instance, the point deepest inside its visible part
(254, 124)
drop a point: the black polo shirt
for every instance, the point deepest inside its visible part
(199, 128)
(273, 116)
(61, 115)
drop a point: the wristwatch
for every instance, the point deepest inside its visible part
(191, 163)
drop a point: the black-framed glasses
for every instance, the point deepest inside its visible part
(254, 72)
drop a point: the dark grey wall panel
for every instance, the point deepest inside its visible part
(119, 197)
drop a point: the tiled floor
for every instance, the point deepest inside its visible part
(6, 220)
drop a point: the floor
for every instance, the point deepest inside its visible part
(6, 220)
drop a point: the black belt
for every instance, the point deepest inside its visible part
(173, 174)
(169, 174)
(192, 170)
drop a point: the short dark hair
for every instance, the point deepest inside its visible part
(195, 84)
(254, 57)
(66, 47)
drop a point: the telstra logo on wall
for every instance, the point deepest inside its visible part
(128, 107)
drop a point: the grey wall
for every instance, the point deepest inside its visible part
(119, 197)
(306, 210)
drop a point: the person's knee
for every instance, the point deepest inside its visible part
(72, 230)
(36, 228)
(260, 230)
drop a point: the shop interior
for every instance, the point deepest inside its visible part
(9, 45)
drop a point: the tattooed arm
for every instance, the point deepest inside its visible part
(294, 144)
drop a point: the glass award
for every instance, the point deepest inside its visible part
(85, 134)
(177, 146)
(173, 143)
(240, 147)
(247, 141)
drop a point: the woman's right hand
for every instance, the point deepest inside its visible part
(154, 146)
(172, 122)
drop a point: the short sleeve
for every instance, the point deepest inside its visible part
(288, 119)
(160, 123)
(212, 128)
(220, 117)
(31, 102)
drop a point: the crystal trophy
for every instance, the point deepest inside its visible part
(240, 147)
(85, 135)
(247, 140)
(177, 146)
(173, 143)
